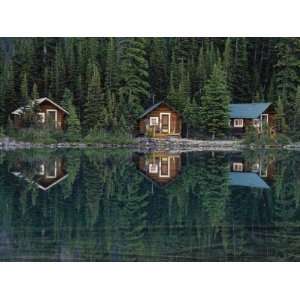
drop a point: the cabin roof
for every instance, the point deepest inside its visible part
(39, 101)
(247, 179)
(247, 110)
(154, 106)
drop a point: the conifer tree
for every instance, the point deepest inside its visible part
(240, 84)
(73, 123)
(111, 72)
(24, 90)
(215, 104)
(134, 76)
(94, 108)
(35, 92)
(280, 116)
(287, 74)
(296, 129)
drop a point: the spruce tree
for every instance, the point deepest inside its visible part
(215, 104)
(287, 74)
(35, 92)
(94, 108)
(134, 76)
(240, 85)
(24, 90)
(73, 123)
(280, 117)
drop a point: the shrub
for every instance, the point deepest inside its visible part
(104, 137)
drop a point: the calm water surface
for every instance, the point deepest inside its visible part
(97, 205)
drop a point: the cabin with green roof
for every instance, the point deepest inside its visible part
(257, 115)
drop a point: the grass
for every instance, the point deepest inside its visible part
(104, 137)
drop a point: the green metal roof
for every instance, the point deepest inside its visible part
(247, 179)
(247, 110)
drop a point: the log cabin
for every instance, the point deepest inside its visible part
(46, 111)
(160, 120)
(257, 115)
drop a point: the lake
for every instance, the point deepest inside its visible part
(116, 205)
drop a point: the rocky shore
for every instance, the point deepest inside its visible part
(145, 145)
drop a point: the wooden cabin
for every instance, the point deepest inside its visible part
(45, 174)
(256, 115)
(159, 121)
(46, 111)
(159, 167)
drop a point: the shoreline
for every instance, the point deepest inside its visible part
(149, 145)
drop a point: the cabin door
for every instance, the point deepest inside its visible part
(165, 122)
(52, 117)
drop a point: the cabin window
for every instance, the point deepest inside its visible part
(238, 167)
(41, 170)
(255, 167)
(41, 117)
(165, 122)
(238, 123)
(51, 171)
(153, 168)
(154, 121)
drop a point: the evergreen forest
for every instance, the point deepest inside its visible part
(106, 83)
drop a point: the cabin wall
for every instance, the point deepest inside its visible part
(60, 114)
(175, 122)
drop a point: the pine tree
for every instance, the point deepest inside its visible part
(134, 76)
(73, 123)
(24, 90)
(296, 129)
(287, 74)
(215, 104)
(94, 108)
(35, 92)
(280, 116)
(191, 115)
(112, 70)
(240, 84)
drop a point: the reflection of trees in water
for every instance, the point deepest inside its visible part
(105, 210)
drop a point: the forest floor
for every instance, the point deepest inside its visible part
(148, 145)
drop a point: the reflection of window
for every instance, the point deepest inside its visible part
(255, 167)
(153, 121)
(153, 168)
(238, 167)
(41, 170)
(51, 171)
(41, 117)
(238, 123)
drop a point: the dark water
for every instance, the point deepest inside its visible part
(122, 206)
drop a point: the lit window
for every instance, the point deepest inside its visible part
(153, 168)
(238, 167)
(153, 121)
(41, 117)
(238, 123)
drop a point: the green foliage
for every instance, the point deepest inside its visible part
(103, 137)
(215, 110)
(133, 71)
(73, 131)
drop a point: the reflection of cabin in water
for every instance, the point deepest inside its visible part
(45, 174)
(252, 174)
(159, 167)
(160, 120)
